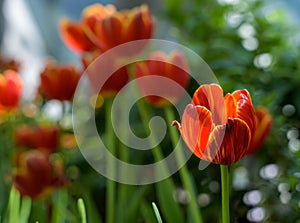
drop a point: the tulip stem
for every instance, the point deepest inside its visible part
(183, 172)
(111, 185)
(14, 205)
(225, 194)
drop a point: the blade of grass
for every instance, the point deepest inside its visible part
(147, 212)
(157, 214)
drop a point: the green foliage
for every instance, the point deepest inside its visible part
(252, 45)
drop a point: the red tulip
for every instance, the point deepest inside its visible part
(37, 175)
(174, 67)
(59, 81)
(264, 123)
(11, 87)
(40, 137)
(113, 84)
(218, 129)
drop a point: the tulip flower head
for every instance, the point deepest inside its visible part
(11, 87)
(40, 137)
(218, 129)
(77, 35)
(103, 27)
(59, 81)
(174, 67)
(37, 175)
(264, 123)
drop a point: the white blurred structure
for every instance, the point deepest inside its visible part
(22, 41)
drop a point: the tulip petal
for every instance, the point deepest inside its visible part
(74, 36)
(235, 137)
(231, 106)
(245, 109)
(140, 25)
(195, 128)
(264, 123)
(211, 97)
(109, 32)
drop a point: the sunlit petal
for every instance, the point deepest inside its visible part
(211, 97)
(195, 128)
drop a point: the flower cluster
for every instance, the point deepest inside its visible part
(38, 173)
(216, 128)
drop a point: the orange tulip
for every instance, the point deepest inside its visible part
(76, 35)
(11, 87)
(122, 27)
(218, 129)
(40, 137)
(264, 123)
(102, 27)
(37, 175)
(172, 66)
(59, 81)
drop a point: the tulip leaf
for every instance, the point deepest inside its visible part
(157, 214)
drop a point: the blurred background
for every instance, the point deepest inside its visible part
(29, 30)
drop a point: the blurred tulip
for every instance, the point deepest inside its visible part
(11, 87)
(76, 35)
(114, 83)
(102, 27)
(122, 27)
(37, 175)
(218, 129)
(59, 81)
(40, 137)
(174, 67)
(264, 123)
(68, 141)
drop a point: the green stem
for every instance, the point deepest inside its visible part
(123, 189)
(25, 210)
(183, 172)
(144, 115)
(225, 194)
(14, 205)
(81, 209)
(111, 185)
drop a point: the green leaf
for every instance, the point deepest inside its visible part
(157, 214)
